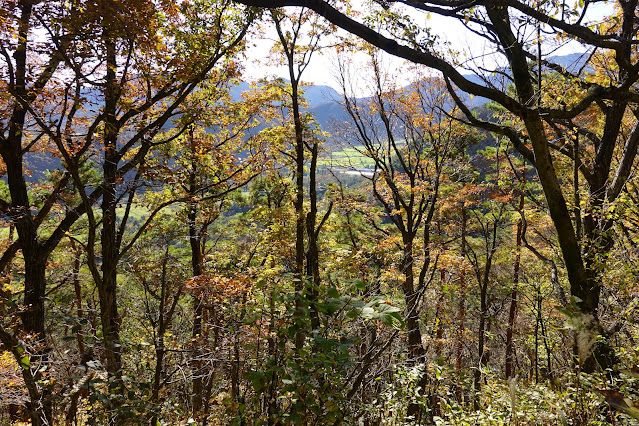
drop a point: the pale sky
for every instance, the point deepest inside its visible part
(321, 71)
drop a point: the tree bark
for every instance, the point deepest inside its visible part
(412, 299)
(300, 217)
(584, 282)
(461, 313)
(34, 254)
(107, 287)
(196, 333)
(512, 312)
(312, 254)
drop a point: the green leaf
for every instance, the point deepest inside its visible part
(257, 380)
(565, 311)
(353, 313)
(25, 362)
(332, 292)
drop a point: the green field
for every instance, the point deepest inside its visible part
(347, 158)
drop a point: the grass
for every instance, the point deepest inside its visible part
(137, 214)
(347, 158)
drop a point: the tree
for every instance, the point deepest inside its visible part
(198, 169)
(118, 73)
(505, 27)
(412, 144)
(155, 265)
(297, 52)
(486, 222)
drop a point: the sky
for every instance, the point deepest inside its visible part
(322, 69)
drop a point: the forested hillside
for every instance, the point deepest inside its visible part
(453, 240)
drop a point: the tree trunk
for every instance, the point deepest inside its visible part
(512, 312)
(462, 313)
(412, 299)
(107, 288)
(300, 218)
(78, 294)
(583, 284)
(312, 255)
(481, 339)
(35, 257)
(197, 270)
(163, 323)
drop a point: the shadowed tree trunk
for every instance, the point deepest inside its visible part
(512, 312)
(461, 315)
(107, 286)
(197, 269)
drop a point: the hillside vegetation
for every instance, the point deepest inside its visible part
(178, 247)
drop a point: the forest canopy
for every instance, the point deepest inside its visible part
(184, 244)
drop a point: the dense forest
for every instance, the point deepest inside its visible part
(452, 240)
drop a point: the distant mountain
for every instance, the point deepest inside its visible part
(315, 95)
(328, 113)
(323, 103)
(320, 95)
(572, 62)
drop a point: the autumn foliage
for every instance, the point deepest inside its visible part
(178, 246)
